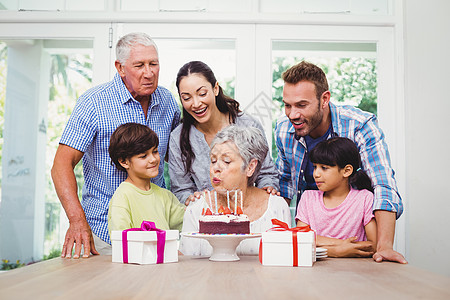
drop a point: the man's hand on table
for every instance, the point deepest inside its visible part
(80, 234)
(385, 236)
(389, 254)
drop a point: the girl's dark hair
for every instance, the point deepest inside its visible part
(340, 151)
(224, 103)
(131, 139)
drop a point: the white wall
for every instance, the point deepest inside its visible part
(427, 80)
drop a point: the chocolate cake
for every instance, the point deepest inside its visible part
(224, 224)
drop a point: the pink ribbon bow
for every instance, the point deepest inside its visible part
(160, 240)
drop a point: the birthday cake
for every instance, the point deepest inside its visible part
(223, 223)
(224, 220)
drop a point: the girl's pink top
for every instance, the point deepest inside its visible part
(342, 222)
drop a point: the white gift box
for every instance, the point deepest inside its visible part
(278, 250)
(142, 247)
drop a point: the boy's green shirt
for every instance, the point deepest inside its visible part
(130, 205)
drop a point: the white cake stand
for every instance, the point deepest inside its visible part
(224, 245)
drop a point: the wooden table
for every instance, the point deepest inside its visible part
(198, 278)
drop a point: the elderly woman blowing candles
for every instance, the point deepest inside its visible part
(236, 155)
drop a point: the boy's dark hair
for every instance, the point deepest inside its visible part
(340, 151)
(130, 139)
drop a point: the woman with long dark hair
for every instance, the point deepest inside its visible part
(206, 111)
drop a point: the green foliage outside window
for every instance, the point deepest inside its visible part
(351, 80)
(9, 265)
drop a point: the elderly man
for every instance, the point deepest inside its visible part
(311, 118)
(132, 96)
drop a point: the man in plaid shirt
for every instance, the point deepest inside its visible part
(311, 118)
(132, 96)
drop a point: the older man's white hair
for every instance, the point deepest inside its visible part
(126, 42)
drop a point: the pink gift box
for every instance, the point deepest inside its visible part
(145, 245)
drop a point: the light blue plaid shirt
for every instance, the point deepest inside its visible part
(96, 115)
(359, 126)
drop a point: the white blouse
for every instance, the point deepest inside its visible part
(277, 208)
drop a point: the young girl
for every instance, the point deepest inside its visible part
(341, 210)
(134, 149)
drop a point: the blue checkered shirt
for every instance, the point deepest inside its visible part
(363, 129)
(96, 115)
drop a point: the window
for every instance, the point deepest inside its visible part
(244, 55)
(337, 50)
(70, 76)
(44, 77)
(3, 70)
(350, 69)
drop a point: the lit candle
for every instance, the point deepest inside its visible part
(242, 201)
(209, 198)
(215, 198)
(228, 198)
(235, 202)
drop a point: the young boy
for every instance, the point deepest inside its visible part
(134, 148)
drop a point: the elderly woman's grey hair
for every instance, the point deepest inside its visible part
(126, 42)
(250, 143)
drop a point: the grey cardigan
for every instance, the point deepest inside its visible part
(183, 185)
